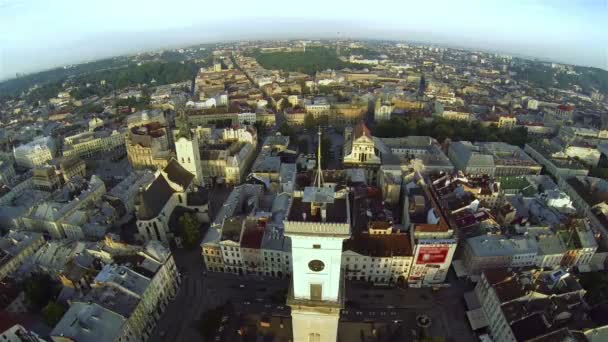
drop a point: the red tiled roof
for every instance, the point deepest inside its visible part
(252, 238)
(380, 245)
(361, 130)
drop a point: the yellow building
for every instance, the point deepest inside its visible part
(507, 121)
(148, 146)
(453, 115)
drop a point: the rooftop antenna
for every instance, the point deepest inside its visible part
(319, 178)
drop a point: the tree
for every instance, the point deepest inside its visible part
(303, 145)
(325, 150)
(323, 120)
(309, 122)
(260, 127)
(52, 313)
(599, 172)
(210, 321)
(442, 129)
(191, 233)
(286, 104)
(287, 130)
(39, 289)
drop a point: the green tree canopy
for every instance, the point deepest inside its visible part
(310, 123)
(288, 131)
(303, 146)
(39, 289)
(210, 321)
(325, 150)
(191, 232)
(52, 313)
(442, 129)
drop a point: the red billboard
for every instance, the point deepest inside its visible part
(432, 255)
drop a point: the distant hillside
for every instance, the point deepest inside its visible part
(543, 76)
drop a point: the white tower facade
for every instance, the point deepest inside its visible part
(318, 222)
(316, 296)
(189, 156)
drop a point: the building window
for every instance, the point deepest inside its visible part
(316, 291)
(316, 246)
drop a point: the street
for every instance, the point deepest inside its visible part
(445, 307)
(201, 290)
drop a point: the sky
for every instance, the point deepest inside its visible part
(40, 34)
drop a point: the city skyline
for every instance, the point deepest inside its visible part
(99, 30)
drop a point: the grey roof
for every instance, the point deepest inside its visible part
(177, 174)
(124, 277)
(85, 322)
(154, 198)
(493, 245)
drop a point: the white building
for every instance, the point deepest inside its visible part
(494, 251)
(66, 220)
(433, 240)
(88, 144)
(383, 110)
(378, 256)
(188, 153)
(317, 106)
(221, 245)
(246, 118)
(360, 150)
(171, 188)
(125, 302)
(318, 222)
(35, 153)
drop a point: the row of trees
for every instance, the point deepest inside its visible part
(442, 129)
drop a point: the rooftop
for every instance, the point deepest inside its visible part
(85, 322)
(302, 211)
(380, 245)
(123, 277)
(493, 245)
(15, 242)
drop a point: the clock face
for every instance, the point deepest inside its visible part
(316, 265)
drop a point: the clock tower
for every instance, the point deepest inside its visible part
(318, 222)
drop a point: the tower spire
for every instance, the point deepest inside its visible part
(319, 178)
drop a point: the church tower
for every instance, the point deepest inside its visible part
(318, 222)
(187, 149)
